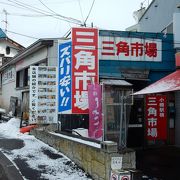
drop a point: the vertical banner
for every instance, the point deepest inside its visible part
(43, 95)
(64, 79)
(95, 111)
(85, 66)
(156, 117)
(33, 94)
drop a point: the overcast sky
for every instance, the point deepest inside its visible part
(27, 17)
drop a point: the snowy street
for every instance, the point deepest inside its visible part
(33, 158)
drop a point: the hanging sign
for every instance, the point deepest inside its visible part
(43, 95)
(95, 111)
(84, 66)
(156, 117)
(64, 79)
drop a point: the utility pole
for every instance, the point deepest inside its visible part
(5, 21)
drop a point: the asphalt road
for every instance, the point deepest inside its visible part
(9, 172)
(162, 163)
(7, 169)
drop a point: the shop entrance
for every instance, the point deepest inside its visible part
(136, 124)
(117, 101)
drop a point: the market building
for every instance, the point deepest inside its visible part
(151, 20)
(130, 60)
(166, 124)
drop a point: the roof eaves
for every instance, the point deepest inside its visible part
(32, 48)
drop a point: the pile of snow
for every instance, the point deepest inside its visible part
(2, 110)
(34, 154)
(10, 129)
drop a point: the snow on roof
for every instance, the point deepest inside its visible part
(166, 84)
(89, 143)
(115, 82)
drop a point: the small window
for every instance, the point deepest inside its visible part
(8, 50)
(22, 79)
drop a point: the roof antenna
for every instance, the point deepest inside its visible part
(5, 21)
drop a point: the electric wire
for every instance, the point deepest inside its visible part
(22, 34)
(40, 11)
(89, 12)
(56, 14)
(81, 10)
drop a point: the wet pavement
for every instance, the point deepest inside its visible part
(162, 163)
(9, 172)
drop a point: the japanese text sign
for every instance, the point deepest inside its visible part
(43, 94)
(156, 117)
(84, 66)
(95, 111)
(64, 79)
(33, 94)
(130, 49)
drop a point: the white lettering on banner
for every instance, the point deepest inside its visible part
(156, 119)
(81, 99)
(65, 81)
(152, 111)
(152, 117)
(65, 52)
(85, 66)
(152, 132)
(81, 33)
(152, 122)
(84, 77)
(161, 108)
(64, 77)
(84, 58)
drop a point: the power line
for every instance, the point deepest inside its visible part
(40, 11)
(28, 15)
(81, 10)
(22, 34)
(89, 12)
(56, 14)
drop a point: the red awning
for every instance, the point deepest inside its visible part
(166, 84)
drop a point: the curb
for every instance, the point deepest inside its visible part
(7, 169)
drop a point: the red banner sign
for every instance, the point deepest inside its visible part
(156, 117)
(84, 66)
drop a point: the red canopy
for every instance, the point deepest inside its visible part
(166, 84)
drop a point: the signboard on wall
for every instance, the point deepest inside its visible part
(156, 117)
(84, 66)
(64, 78)
(8, 75)
(130, 49)
(43, 95)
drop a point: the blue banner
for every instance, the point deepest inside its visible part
(64, 78)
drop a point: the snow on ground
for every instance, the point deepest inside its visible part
(34, 153)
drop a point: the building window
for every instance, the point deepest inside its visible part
(8, 50)
(22, 78)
